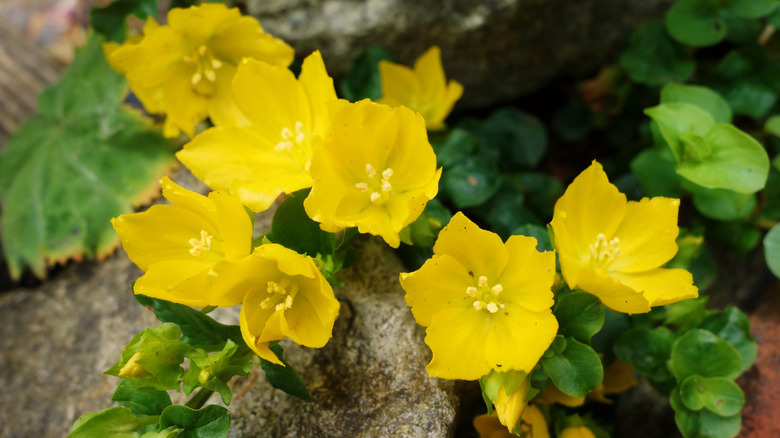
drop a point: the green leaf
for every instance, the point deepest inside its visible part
(79, 162)
(647, 351)
(737, 162)
(454, 147)
(521, 137)
(750, 96)
(656, 174)
(110, 20)
(686, 314)
(652, 58)
(772, 250)
(752, 8)
(538, 232)
(703, 97)
(699, 352)
(284, 377)
(580, 315)
(363, 81)
(772, 125)
(142, 401)
(732, 325)
(573, 121)
(541, 190)
(426, 227)
(696, 23)
(211, 421)
(739, 234)
(741, 30)
(118, 422)
(292, 228)
(153, 358)
(677, 119)
(471, 182)
(576, 371)
(724, 205)
(213, 371)
(197, 328)
(509, 215)
(720, 395)
(703, 423)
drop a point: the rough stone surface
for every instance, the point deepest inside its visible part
(499, 49)
(369, 380)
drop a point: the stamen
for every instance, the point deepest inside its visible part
(210, 74)
(282, 145)
(386, 187)
(202, 50)
(375, 196)
(362, 186)
(216, 63)
(196, 78)
(387, 173)
(492, 307)
(286, 133)
(200, 245)
(471, 291)
(370, 171)
(497, 289)
(483, 282)
(478, 305)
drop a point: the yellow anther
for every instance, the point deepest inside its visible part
(202, 244)
(362, 186)
(370, 171)
(216, 63)
(202, 50)
(483, 282)
(478, 305)
(375, 196)
(471, 291)
(497, 289)
(604, 252)
(210, 74)
(286, 133)
(387, 173)
(492, 307)
(196, 78)
(386, 187)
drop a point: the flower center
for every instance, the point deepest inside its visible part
(206, 65)
(604, 252)
(290, 140)
(379, 187)
(281, 295)
(202, 244)
(486, 296)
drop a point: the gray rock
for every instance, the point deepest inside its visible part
(499, 49)
(369, 380)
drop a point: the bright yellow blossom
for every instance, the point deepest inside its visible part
(532, 425)
(271, 156)
(577, 432)
(193, 252)
(185, 68)
(424, 89)
(374, 170)
(614, 249)
(291, 298)
(509, 407)
(485, 303)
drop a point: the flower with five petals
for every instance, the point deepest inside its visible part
(614, 248)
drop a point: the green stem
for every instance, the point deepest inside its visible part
(198, 400)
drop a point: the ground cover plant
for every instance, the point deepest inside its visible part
(552, 294)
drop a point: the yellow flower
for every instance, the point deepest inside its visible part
(272, 155)
(554, 395)
(374, 170)
(617, 379)
(485, 303)
(614, 249)
(532, 425)
(509, 407)
(291, 299)
(577, 432)
(185, 68)
(193, 252)
(424, 89)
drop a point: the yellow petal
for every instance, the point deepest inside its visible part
(222, 107)
(647, 235)
(590, 206)
(488, 426)
(429, 69)
(534, 423)
(529, 275)
(245, 38)
(319, 88)
(185, 107)
(613, 293)
(199, 23)
(189, 200)
(439, 284)
(480, 251)
(309, 322)
(457, 339)
(661, 286)
(577, 432)
(242, 161)
(554, 395)
(235, 226)
(510, 407)
(288, 262)
(252, 321)
(161, 281)
(400, 86)
(517, 338)
(617, 378)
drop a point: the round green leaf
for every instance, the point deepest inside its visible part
(703, 423)
(118, 422)
(293, 228)
(750, 96)
(656, 175)
(718, 394)
(652, 58)
(737, 162)
(732, 325)
(211, 421)
(699, 352)
(647, 351)
(752, 8)
(580, 315)
(576, 371)
(362, 81)
(454, 147)
(703, 97)
(772, 250)
(538, 232)
(521, 137)
(772, 125)
(677, 119)
(471, 182)
(696, 22)
(724, 205)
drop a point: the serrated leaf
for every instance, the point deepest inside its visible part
(653, 58)
(580, 315)
(211, 421)
(772, 250)
(647, 351)
(110, 20)
(197, 328)
(142, 401)
(696, 23)
(79, 162)
(284, 377)
(720, 395)
(699, 352)
(118, 422)
(576, 370)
